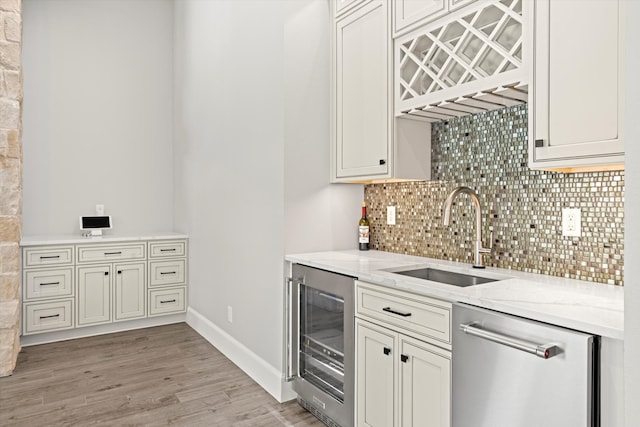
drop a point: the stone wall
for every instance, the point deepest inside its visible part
(10, 181)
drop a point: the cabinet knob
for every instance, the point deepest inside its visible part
(404, 358)
(106, 273)
(383, 162)
(386, 350)
(119, 271)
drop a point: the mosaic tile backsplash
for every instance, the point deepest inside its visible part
(521, 208)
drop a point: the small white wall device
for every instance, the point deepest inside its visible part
(95, 224)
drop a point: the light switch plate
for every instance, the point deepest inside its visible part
(571, 222)
(391, 215)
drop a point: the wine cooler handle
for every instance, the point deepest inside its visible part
(288, 320)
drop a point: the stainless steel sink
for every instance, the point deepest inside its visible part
(443, 276)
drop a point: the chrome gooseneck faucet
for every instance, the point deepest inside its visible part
(479, 250)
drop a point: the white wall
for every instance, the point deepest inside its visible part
(632, 219)
(252, 163)
(229, 156)
(97, 114)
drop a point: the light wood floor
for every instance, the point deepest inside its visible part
(167, 375)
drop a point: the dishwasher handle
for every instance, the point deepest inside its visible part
(544, 351)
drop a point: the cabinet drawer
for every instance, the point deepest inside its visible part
(167, 249)
(162, 273)
(415, 314)
(165, 301)
(50, 255)
(48, 316)
(102, 253)
(49, 283)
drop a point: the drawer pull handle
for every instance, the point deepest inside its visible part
(404, 358)
(50, 257)
(49, 317)
(164, 302)
(168, 272)
(386, 351)
(113, 253)
(168, 250)
(49, 283)
(399, 313)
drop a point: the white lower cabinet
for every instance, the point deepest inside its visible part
(94, 295)
(401, 380)
(425, 384)
(48, 316)
(130, 292)
(376, 375)
(164, 301)
(89, 284)
(167, 278)
(111, 292)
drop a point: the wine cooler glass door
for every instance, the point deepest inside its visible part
(322, 340)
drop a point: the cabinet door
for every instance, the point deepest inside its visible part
(408, 12)
(375, 372)
(576, 119)
(94, 295)
(130, 291)
(362, 116)
(425, 385)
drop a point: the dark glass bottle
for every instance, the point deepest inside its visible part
(363, 230)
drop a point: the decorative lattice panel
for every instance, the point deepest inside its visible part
(475, 45)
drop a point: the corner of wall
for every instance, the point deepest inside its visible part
(268, 377)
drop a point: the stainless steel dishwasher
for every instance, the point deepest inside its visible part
(513, 372)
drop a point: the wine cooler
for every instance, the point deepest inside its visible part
(320, 343)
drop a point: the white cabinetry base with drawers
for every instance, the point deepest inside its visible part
(403, 358)
(81, 287)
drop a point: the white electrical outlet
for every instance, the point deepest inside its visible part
(391, 215)
(571, 222)
(229, 314)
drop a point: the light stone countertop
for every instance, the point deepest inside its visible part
(591, 307)
(107, 238)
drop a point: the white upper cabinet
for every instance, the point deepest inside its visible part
(409, 12)
(362, 104)
(367, 143)
(576, 105)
